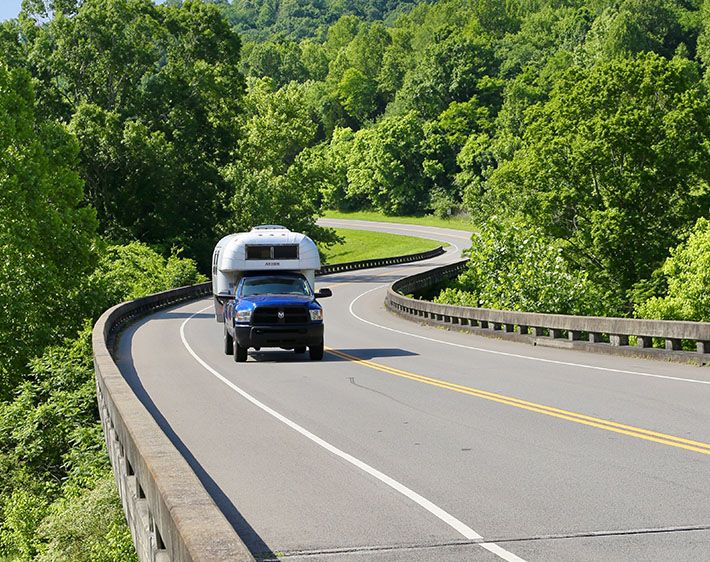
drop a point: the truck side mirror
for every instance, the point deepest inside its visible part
(324, 293)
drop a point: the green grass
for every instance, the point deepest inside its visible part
(366, 245)
(457, 223)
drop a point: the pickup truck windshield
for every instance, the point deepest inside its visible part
(275, 285)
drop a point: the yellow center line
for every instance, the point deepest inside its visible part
(640, 433)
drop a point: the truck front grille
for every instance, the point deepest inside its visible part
(270, 315)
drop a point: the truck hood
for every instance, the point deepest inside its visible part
(277, 300)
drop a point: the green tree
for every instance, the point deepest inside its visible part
(454, 67)
(385, 165)
(704, 39)
(268, 183)
(636, 26)
(615, 163)
(515, 266)
(153, 93)
(57, 493)
(45, 232)
(444, 140)
(687, 274)
(282, 62)
(357, 94)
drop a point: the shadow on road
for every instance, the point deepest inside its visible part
(288, 356)
(371, 353)
(246, 532)
(175, 315)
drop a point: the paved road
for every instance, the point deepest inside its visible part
(414, 443)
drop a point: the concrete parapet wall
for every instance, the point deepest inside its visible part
(584, 332)
(171, 516)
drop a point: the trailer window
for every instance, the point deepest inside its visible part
(286, 252)
(258, 252)
(281, 252)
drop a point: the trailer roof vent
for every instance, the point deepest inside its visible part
(269, 227)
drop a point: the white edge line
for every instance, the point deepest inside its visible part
(516, 355)
(435, 510)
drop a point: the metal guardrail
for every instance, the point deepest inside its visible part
(379, 262)
(171, 516)
(605, 334)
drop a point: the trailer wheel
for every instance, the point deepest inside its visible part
(228, 342)
(240, 353)
(316, 351)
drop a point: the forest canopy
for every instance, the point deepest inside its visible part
(584, 124)
(574, 135)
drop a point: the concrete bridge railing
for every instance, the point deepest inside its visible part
(171, 516)
(610, 335)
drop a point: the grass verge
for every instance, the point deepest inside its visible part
(366, 245)
(457, 223)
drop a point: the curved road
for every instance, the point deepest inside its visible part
(414, 443)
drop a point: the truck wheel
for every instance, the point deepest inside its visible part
(240, 353)
(228, 342)
(300, 349)
(316, 352)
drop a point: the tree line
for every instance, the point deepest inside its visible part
(574, 134)
(117, 119)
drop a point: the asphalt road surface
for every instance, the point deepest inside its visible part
(413, 443)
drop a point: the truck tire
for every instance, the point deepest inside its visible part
(316, 352)
(300, 349)
(228, 342)
(240, 353)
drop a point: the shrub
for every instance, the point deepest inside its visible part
(514, 266)
(687, 273)
(88, 527)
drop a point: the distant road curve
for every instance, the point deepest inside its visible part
(414, 443)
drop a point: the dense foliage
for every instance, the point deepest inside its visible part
(587, 121)
(687, 275)
(93, 125)
(574, 133)
(57, 494)
(154, 97)
(45, 232)
(297, 19)
(58, 502)
(505, 272)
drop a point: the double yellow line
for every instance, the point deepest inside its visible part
(640, 433)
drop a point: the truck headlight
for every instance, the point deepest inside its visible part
(316, 313)
(243, 315)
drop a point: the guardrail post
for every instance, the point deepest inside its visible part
(523, 330)
(537, 331)
(673, 344)
(555, 333)
(644, 341)
(618, 339)
(574, 335)
(595, 337)
(702, 346)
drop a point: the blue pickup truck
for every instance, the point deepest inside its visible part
(274, 310)
(263, 286)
